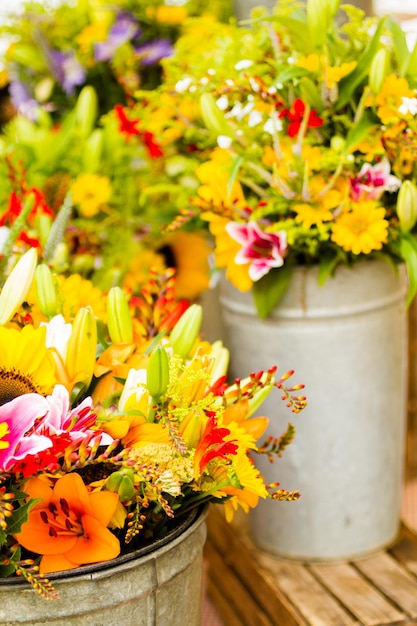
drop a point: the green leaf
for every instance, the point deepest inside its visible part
(349, 83)
(299, 33)
(234, 172)
(269, 290)
(400, 45)
(291, 73)
(311, 94)
(408, 250)
(20, 516)
(411, 69)
(360, 131)
(327, 267)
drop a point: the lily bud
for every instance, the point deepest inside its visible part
(45, 291)
(157, 377)
(17, 285)
(119, 320)
(122, 483)
(86, 110)
(407, 205)
(378, 71)
(93, 151)
(221, 357)
(213, 118)
(319, 16)
(81, 349)
(192, 427)
(186, 331)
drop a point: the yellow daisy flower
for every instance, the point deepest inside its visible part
(90, 192)
(26, 366)
(76, 292)
(361, 230)
(389, 99)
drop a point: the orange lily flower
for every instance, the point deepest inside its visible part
(255, 426)
(113, 364)
(69, 526)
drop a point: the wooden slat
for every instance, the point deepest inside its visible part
(233, 591)
(392, 579)
(225, 610)
(365, 602)
(315, 603)
(235, 547)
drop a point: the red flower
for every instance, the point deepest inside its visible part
(212, 445)
(296, 115)
(126, 126)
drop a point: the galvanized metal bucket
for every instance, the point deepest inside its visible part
(347, 341)
(154, 586)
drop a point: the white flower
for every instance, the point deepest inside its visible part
(183, 85)
(224, 142)
(409, 105)
(273, 125)
(243, 65)
(135, 385)
(255, 118)
(222, 102)
(58, 332)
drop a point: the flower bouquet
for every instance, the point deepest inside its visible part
(116, 418)
(304, 128)
(114, 47)
(86, 180)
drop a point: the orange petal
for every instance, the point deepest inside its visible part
(35, 537)
(98, 543)
(256, 426)
(71, 487)
(55, 563)
(104, 505)
(37, 488)
(236, 412)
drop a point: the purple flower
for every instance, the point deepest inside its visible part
(152, 52)
(67, 70)
(261, 250)
(373, 180)
(124, 29)
(22, 100)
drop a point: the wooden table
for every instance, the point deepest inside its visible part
(251, 588)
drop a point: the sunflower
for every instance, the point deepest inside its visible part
(26, 366)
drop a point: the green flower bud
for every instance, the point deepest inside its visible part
(122, 483)
(157, 375)
(119, 320)
(407, 205)
(93, 151)
(81, 348)
(46, 297)
(378, 71)
(213, 118)
(319, 16)
(86, 110)
(186, 330)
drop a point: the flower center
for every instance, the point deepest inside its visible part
(14, 384)
(61, 520)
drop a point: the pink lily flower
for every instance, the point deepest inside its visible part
(261, 250)
(373, 180)
(20, 415)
